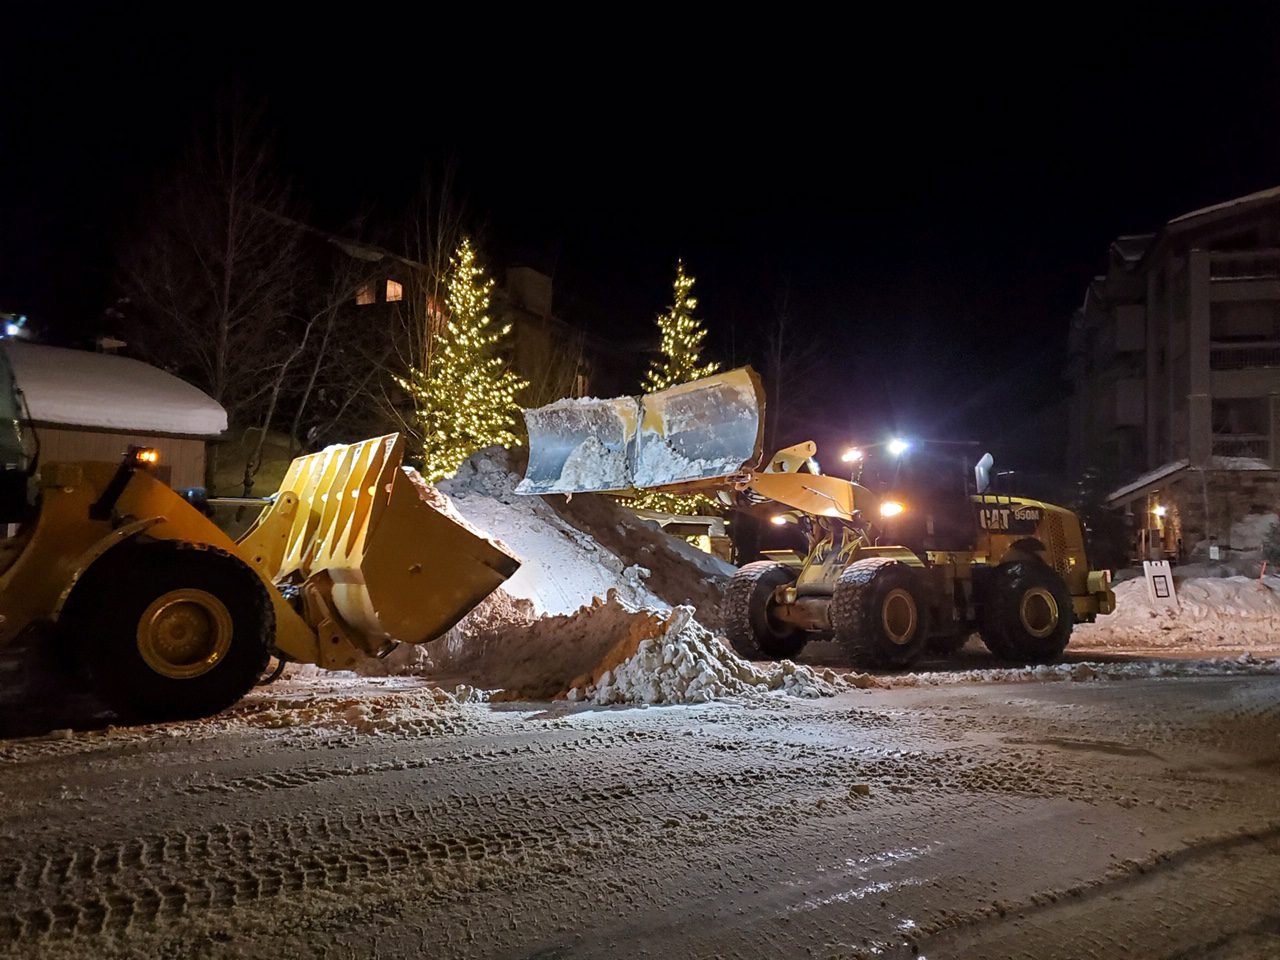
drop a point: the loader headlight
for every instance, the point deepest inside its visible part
(146, 456)
(891, 508)
(778, 519)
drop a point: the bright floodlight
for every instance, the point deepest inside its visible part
(898, 446)
(852, 455)
(12, 329)
(1160, 510)
(891, 508)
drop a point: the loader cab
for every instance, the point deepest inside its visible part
(932, 484)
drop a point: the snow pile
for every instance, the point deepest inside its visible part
(1233, 612)
(574, 551)
(1250, 532)
(673, 659)
(613, 652)
(603, 607)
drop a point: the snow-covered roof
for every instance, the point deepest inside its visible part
(82, 389)
(1147, 480)
(1150, 480)
(1133, 247)
(1261, 196)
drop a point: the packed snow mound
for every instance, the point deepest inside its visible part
(576, 550)
(1234, 612)
(613, 652)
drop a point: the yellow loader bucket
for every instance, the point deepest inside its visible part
(695, 433)
(400, 569)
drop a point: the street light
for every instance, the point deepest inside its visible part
(852, 455)
(898, 446)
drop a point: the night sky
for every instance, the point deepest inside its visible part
(933, 194)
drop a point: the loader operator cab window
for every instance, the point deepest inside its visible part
(933, 484)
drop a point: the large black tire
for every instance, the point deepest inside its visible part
(171, 630)
(752, 632)
(1025, 614)
(879, 613)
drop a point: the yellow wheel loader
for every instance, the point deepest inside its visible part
(174, 619)
(918, 558)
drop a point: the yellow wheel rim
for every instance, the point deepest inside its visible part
(184, 633)
(899, 616)
(1038, 612)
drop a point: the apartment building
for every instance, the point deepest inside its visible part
(1175, 370)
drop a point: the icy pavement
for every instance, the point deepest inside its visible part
(1052, 819)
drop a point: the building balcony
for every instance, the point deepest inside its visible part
(1255, 446)
(1244, 356)
(1245, 265)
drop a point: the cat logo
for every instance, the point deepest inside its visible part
(994, 518)
(1015, 519)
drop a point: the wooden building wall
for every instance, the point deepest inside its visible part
(181, 458)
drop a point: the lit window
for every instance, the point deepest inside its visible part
(365, 294)
(394, 291)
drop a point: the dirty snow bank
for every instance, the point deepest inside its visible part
(613, 652)
(1076, 672)
(1232, 612)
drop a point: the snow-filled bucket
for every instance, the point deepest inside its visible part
(697, 432)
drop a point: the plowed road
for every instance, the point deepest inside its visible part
(1110, 819)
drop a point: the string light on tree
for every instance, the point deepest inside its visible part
(465, 397)
(682, 335)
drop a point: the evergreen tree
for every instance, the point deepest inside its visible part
(681, 361)
(465, 396)
(682, 336)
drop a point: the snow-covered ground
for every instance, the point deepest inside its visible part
(380, 818)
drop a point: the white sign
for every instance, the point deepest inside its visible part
(1160, 589)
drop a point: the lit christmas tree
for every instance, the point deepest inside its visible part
(465, 398)
(682, 336)
(681, 361)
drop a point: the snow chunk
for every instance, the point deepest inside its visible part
(79, 388)
(592, 465)
(660, 463)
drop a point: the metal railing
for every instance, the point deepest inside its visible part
(1253, 445)
(1246, 265)
(1242, 356)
